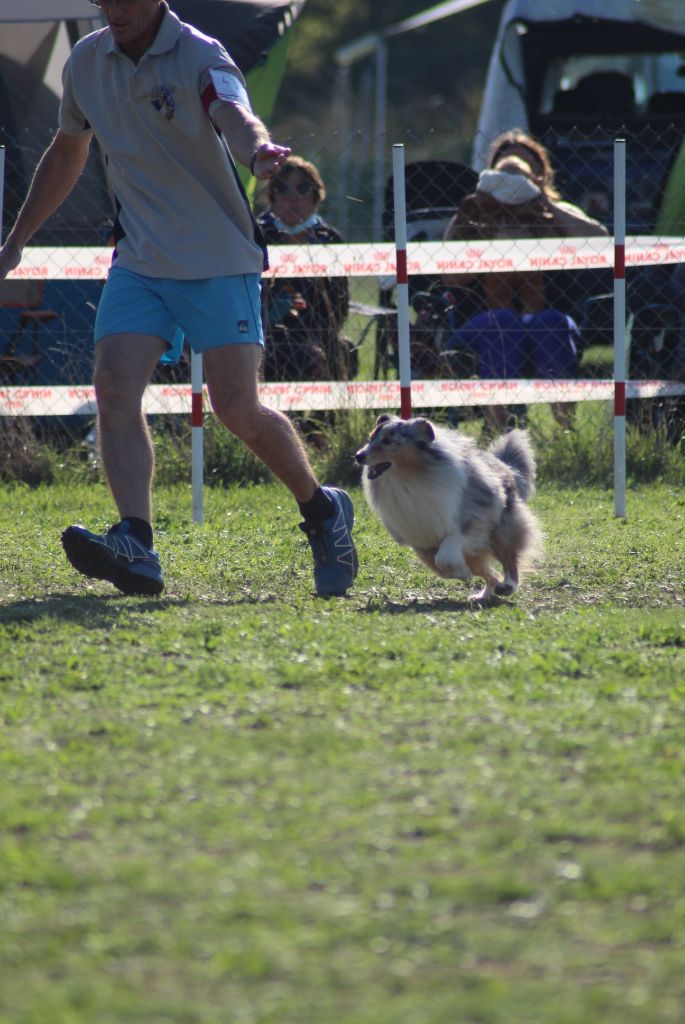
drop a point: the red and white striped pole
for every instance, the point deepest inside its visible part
(402, 279)
(196, 421)
(620, 327)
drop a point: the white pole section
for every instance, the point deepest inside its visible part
(620, 327)
(402, 279)
(197, 458)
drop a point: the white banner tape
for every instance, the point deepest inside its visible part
(58, 263)
(296, 396)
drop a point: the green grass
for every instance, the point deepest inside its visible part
(239, 803)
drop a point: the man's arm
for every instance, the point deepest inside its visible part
(56, 174)
(248, 140)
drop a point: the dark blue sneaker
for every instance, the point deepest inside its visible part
(116, 556)
(335, 556)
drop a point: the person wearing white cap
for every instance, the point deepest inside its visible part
(517, 333)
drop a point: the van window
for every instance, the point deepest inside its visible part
(631, 79)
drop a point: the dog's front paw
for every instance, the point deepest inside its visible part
(451, 568)
(450, 561)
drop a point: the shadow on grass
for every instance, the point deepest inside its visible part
(96, 610)
(418, 606)
(93, 611)
(90, 610)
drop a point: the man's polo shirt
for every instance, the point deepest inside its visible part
(182, 213)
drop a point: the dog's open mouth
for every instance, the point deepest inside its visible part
(378, 469)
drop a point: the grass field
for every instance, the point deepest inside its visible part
(239, 803)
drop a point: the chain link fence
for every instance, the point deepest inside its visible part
(340, 299)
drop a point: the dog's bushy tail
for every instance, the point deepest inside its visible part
(515, 450)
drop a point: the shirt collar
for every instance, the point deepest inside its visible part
(169, 31)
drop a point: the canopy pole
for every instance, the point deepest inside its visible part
(379, 139)
(2, 187)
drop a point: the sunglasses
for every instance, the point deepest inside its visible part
(303, 188)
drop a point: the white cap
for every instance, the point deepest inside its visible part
(507, 188)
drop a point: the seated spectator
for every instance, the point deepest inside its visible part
(303, 317)
(517, 333)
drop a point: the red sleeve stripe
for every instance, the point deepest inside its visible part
(208, 96)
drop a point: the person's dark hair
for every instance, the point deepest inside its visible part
(306, 169)
(541, 166)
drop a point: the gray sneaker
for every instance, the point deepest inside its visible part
(116, 556)
(335, 556)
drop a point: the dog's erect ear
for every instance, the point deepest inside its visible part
(383, 418)
(425, 429)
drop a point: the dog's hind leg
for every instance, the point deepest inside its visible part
(510, 543)
(510, 584)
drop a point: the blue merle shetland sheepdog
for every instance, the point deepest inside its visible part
(460, 507)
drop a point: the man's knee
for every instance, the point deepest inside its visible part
(240, 417)
(119, 381)
(112, 389)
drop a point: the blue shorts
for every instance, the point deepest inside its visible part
(209, 313)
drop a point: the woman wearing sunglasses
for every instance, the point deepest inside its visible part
(303, 317)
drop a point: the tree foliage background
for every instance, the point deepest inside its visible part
(435, 74)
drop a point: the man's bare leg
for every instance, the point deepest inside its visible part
(328, 513)
(124, 364)
(231, 374)
(124, 555)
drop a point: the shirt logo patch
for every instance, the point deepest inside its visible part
(162, 99)
(242, 327)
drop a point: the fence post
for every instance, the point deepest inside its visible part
(196, 419)
(402, 279)
(620, 327)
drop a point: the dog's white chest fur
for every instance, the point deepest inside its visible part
(417, 509)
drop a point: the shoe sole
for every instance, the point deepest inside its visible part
(94, 561)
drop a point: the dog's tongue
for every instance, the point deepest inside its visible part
(376, 470)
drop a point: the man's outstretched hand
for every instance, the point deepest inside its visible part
(268, 160)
